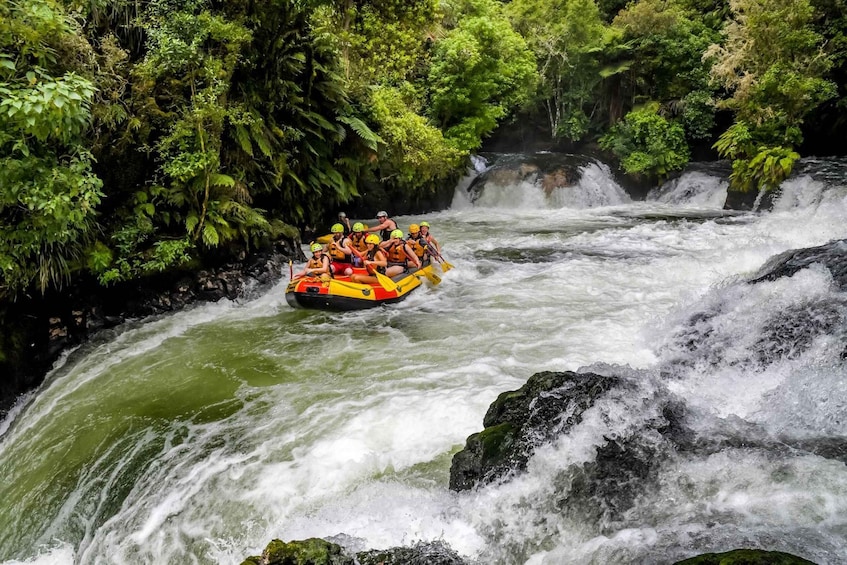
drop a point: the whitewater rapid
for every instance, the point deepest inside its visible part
(201, 436)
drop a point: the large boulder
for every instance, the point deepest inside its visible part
(312, 551)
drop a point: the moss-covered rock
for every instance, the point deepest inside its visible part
(549, 404)
(746, 557)
(312, 551)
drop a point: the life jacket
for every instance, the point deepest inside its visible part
(317, 262)
(396, 254)
(359, 243)
(418, 246)
(336, 254)
(386, 233)
(370, 256)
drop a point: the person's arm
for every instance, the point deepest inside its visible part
(435, 243)
(380, 227)
(411, 255)
(379, 260)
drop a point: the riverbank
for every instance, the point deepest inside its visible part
(36, 330)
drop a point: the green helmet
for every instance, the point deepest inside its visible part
(316, 247)
(397, 233)
(358, 227)
(424, 224)
(337, 228)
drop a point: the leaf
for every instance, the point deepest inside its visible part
(370, 138)
(218, 179)
(210, 235)
(612, 70)
(243, 138)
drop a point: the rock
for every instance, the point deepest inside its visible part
(746, 557)
(832, 255)
(435, 553)
(546, 406)
(312, 551)
(316, 551)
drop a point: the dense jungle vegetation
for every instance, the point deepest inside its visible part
(140, 136)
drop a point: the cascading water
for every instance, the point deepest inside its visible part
(201, 436)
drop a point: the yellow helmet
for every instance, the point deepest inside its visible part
(424, 224)
(397, 233)
(358, 227)
(414, 228)
(337, 228)
(316, 247)
(372, 238)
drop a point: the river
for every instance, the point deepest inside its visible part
(200, 436)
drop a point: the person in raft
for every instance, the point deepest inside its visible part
(339, 252)
(374, 259)
(385, 227)
(357, 242)
(417, 244)
(345, 221)
(428, 236)
(318, 265)
(398, 254)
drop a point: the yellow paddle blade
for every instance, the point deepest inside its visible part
(385, 282)
(430, 276)
(445, 266)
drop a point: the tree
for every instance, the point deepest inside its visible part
(773, 66)
(481, 71)
(566, 37)
(48, 192)
(648, 143)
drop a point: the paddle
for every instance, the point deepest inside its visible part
(384, 281)
(445, 266)
(430, 276)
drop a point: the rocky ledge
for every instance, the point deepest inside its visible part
(35, 330)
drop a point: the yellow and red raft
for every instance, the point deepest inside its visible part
(341, 294)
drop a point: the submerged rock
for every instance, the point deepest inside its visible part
(746, 557)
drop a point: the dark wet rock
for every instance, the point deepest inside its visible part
(312, 551)
(750, 201)
(37, 329)
(546, 406)
(435, 553)
(549, 170)
(832, 255)
(746, 557)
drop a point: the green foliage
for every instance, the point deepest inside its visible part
(668, 42)
(415, 154)
(772, 63)
(48, 191)
(480, 72)
(755, 166)
(565, 37)
(647, 143)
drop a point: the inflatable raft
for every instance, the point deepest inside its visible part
(340, 293)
